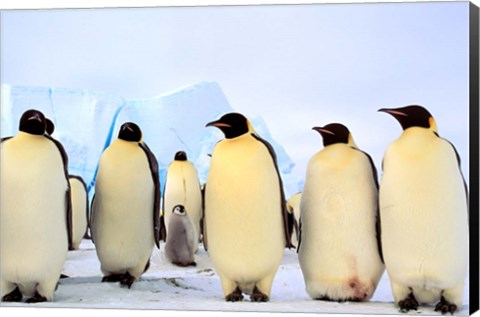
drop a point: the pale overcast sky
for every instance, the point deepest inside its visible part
(297, 66)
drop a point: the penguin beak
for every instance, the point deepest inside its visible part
(393, 112)
(322, 130)
(218, 124)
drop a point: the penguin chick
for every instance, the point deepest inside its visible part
(424, 212)
(245, 214)
(35, 212)
(339, 251)
(125, 217)
(182, 187)
(79, 209)
(181, 238)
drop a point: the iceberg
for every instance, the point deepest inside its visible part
(86, 122)
(82, 120)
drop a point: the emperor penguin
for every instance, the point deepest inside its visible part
(339, 252)
(35, 212)
(245, 214)
(293, 208)
(79, 209)
(125, 221)
(424, 212)
(182, 187)
(181, 238)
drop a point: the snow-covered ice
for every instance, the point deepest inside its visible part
(168, 287)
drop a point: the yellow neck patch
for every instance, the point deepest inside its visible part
(351, 142)
(433, 124)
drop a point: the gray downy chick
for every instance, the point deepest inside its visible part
(180, 245)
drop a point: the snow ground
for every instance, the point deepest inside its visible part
(168, 287)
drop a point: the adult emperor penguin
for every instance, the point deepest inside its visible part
(35, 212)
(79, 209)
(181, 238)
(125, 221)
(339, 251)
(245, 214)
(424, 212)
(293, 208)
(182, 187)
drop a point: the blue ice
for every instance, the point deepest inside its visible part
(86, 122)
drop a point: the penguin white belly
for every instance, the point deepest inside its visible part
(79, 211)
(243, 213)
(34, 241)
(122, 226)
(424, 214)
(338, 252)
(183, 188)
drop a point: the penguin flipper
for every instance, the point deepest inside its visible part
(90, 222)
(152, 162)
(459, 166)
(204, 222)
(299, 234)
(288, 243)
(68, 196)
(378, 228)
(69, 219)
(163, 228)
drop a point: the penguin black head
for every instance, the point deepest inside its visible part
(33, 122)
(50, 126)
(334, 133)
(129, 131)
(180, 156)
(412, 116)
(179, 210)
(232, 125)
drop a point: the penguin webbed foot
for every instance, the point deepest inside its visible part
(127, 280)
(37, 298)
(112, 278)
(258, 296)
(445, 306)
(184, 264)
(235, 296)
(409, 303)
(13, 296)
